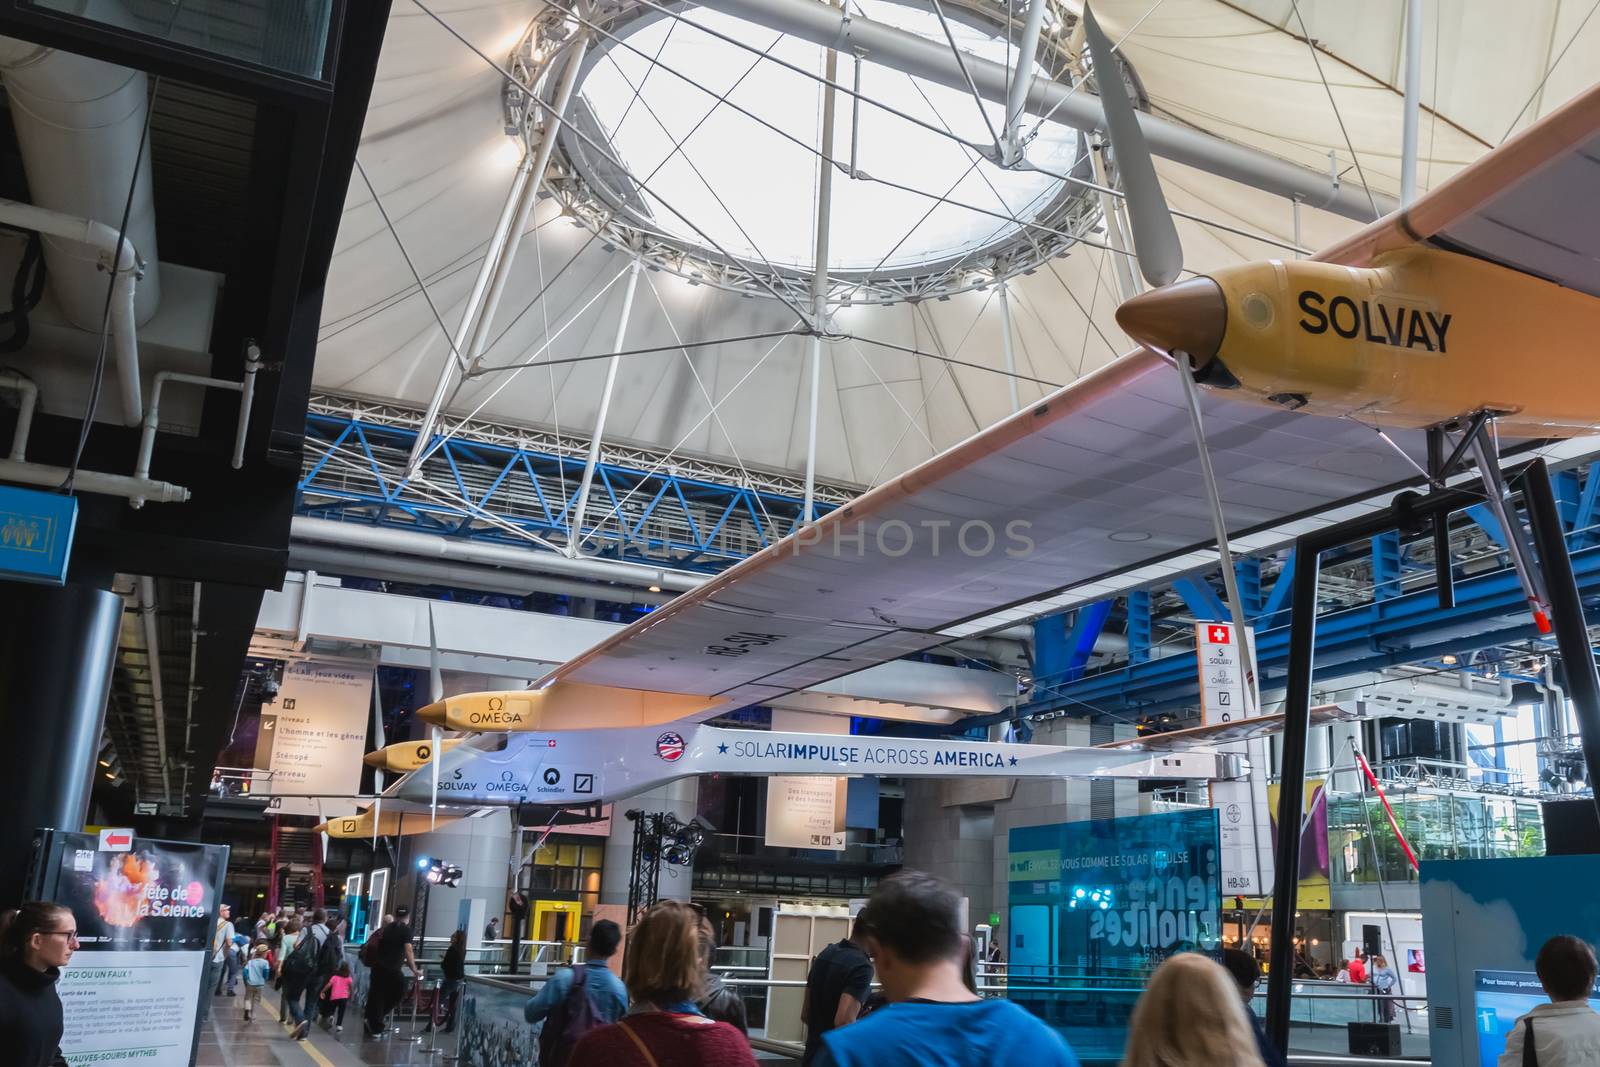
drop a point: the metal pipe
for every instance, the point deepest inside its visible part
(923, 57)
(1021, 77)
(1005, 326)
(152, 417)
(27, 400)
(330, 560)
(247, 399)
(141, 489)
(406, 542)
(575, 531)
(486, 270)
(819, 278)
(479, 334)
(1566, 611)
(152, 649)
(123, 263)
(1413, 103)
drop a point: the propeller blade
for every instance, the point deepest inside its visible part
(435, 694)
(1155, 238)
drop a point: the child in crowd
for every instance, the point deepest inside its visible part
(335, 995)
(257, 973)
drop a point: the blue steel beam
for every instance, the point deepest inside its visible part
(491, 492)
(1489, 611)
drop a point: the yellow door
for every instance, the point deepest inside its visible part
(556, 920)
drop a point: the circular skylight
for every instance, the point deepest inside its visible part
(748, 178)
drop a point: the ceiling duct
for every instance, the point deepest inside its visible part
(78, 124)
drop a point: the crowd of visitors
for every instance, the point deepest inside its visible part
(669, 1009)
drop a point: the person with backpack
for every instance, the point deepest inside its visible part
(576, 1000)
(301, 982)
(454, 969)
(664, 1028)
(387, 953)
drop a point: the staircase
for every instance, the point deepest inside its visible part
(296, 865)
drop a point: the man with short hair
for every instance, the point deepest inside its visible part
(912, 929)
(1246, 974)
(608, 997)
(1566, 1031)
(387, 986)
(836, 987)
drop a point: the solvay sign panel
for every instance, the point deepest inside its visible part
(590, 766)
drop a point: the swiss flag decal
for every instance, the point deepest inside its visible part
(1219, 635)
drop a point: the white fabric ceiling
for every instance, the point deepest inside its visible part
(435, 152)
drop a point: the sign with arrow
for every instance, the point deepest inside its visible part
(116, 840)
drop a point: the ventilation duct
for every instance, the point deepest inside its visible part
(78, 124)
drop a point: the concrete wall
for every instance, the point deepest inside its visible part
(678, 797)
(480, 847)
(958, 829)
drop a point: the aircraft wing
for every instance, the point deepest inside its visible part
(1100, 479)
(1226, 733)
(1527, 205)
(1094, 490)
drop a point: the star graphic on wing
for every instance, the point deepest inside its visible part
(1013, 761)
(723, 748)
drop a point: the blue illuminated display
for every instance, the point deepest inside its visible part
(1095, 906)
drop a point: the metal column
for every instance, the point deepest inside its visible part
(477, 337)
(57, 649)
(575, 531)
(1011, 358)
(469, 316)
(1413, 103)
(1566, 613)
(819, 278)
(1021, 79)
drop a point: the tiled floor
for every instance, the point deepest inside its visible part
(227, 1040)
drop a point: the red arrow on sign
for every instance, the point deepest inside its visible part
(119, 839)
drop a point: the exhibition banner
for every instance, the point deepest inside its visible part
(1315, 866)
(313, 735)
(806, 811)
(1096, 905)
(145, 911)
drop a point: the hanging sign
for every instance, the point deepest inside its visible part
(314, 735)
(1227, 688)
(1228, 693)
(806, 811)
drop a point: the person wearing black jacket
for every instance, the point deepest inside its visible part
(454, 968)
(36, 941)
(1246, 973)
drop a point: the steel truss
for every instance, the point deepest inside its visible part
(598, 197)
(1380, 604)
(493, 482)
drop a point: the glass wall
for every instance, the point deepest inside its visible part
(1439, 824)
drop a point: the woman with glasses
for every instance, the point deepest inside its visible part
(36, 941)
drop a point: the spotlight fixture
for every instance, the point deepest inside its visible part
(442, 872)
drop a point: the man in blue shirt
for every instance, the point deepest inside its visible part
(912, 927)
(606, 991)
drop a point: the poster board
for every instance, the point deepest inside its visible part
(313, 736)
(806, 811)
(146, 912)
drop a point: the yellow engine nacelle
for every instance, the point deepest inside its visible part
(562, 706)
(1419, 338)
(407, 756)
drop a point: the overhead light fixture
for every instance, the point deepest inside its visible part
(105, 763)
(1448, 659)
(655, 589)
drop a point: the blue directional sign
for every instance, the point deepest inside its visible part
(36, 531)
